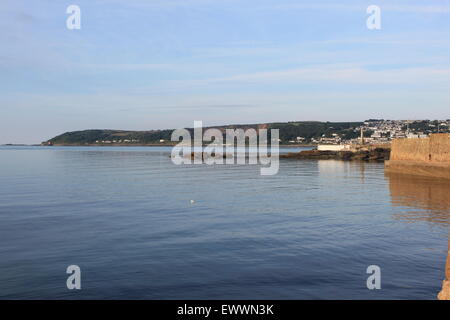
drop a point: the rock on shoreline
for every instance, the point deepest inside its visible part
(375, 154)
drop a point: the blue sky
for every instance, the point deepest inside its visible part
(157, 64)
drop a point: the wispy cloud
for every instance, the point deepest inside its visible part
(418, 8)
(209, 106)
(338, 74)
(122, 67)
(352, 6)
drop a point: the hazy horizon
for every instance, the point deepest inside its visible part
(213, 125)
(143, 65)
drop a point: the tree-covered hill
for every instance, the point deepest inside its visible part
(312, 129)
(288, 132)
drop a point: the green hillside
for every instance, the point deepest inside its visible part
(288, 131)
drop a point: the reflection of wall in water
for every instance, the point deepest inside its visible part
(432, 198)
(431, 195)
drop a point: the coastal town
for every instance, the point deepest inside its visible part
(379, 131)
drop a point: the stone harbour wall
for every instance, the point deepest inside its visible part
(426, 157)
(436, 148)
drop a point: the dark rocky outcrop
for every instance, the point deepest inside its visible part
(375, 154)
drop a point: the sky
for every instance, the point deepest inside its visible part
(158, 64)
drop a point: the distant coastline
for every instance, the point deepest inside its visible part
(290, 133)
(20, 145)
(294, 133)
(132, 145)
(156, 145)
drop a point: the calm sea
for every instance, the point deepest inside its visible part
(125, 216)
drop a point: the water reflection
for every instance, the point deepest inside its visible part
(339, 167)
(432, 198)
(445, 293)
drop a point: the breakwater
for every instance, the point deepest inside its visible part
(427, 157)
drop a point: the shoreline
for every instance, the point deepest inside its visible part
(134, 145)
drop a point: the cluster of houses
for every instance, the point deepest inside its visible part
(384, 131)
(297, 140)
(123, 141)
(117, 141)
